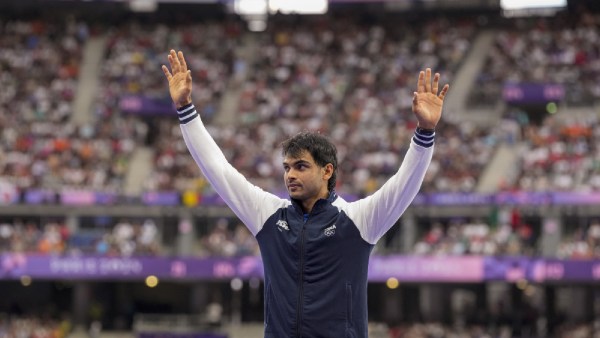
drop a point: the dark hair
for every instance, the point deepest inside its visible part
(319, 146)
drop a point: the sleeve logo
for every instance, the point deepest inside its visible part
(282, 225)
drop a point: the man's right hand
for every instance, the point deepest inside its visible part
(180, 79)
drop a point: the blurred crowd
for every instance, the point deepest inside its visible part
(477, 238)
(561, 49)
(124, 238)
(557, 155)
(582, 242)
(131, 68)
(227, 239)
(41, 327)
(349, 79)
(439, 330)
(346, 77)
(512, 235)
(40, 146)
(33, 327)
(28, 236)
(40, 62)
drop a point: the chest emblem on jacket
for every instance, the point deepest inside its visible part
(330, 231)
(282, 225)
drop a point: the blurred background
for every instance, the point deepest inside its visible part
(108, 228)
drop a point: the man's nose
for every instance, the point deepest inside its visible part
(291, 175)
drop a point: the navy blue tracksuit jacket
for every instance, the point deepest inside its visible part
(315, 270)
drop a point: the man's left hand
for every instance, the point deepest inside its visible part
(427, 103)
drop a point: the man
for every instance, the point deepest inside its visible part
(315, 246)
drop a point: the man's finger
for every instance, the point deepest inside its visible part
(182, 61)
(167, 72)
(428, 80)
(421, 82)
(436, 81)
(443, 92)
(171, 63)
(175, 66)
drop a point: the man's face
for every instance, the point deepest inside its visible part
(304, 178)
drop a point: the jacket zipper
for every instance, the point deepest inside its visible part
(300, 285)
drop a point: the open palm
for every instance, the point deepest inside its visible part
(427, 103)
(180, 79)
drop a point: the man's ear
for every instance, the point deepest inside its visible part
(327, 171)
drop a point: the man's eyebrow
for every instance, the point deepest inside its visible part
(296, 162)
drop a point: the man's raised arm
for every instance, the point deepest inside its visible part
(376, 214)
(250, 203)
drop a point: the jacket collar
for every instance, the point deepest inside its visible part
(320, 204)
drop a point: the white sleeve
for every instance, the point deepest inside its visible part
(250, 203)
(376, 214)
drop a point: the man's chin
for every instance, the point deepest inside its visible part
(295, 195)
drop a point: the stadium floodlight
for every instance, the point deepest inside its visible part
(143, 5)
(250, 7)
(298, 6)
(259, 7)
(255, 13)
(531, 7)
(528, 4)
